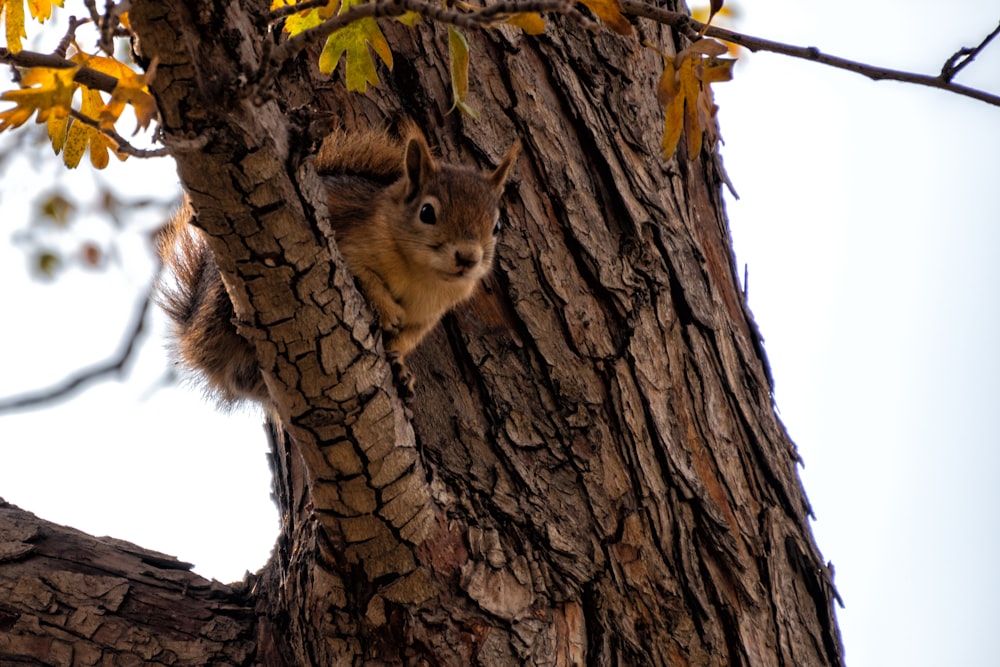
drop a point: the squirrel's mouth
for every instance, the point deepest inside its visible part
(467, 273)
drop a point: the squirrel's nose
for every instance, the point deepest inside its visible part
(468, 258)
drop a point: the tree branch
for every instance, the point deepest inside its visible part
(85, 76)
(123, 146)
(964, 56)
(686, 24)
(116, 365)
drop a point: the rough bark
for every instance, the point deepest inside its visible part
(67, 598)
(592, 471)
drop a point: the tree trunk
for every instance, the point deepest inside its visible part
(591, 472)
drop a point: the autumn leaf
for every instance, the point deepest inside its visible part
(41, 10)
(57, 209)
(685, 92)
(668, 94)
(302, 21)
(530, 22)
(13, 17)
(305, 19)
(353, 39)
(132, 88)
(458, 55)
(610, 12)
(410, 18)
(80, 137)
(44, 90)
(46, 263)
(72, 137)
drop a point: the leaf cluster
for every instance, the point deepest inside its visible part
(79, 118)
(686, 94)
(351, 33)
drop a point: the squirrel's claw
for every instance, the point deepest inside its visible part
(402, 375)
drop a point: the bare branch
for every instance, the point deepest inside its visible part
(70, 35)
(115, 366)
(685, 23)
(109, 24)
(91, 6)
(964, 56)
(122, 145)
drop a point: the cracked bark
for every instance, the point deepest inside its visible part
(592, 471)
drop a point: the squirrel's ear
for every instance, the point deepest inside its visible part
(499, 176)
(419, 165)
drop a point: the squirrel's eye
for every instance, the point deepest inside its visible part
(497, 227)
(428, 215)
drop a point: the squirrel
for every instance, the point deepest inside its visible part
(417, 234)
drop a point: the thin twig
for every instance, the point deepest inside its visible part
(115, 366)
(964, 56)
(683, 21)
(122, 144)
(109, 24)
(63, 46)
(91, 6)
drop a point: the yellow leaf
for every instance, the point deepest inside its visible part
(672, 125)
(79, 135)
(530, 22)
(13, 16)
(57, 126)
(410, 18)
(131, 89)
(707, 47)
(714, 70)
(610, 12)
(685, 92)
(668, 87)
(353, 39)
(690, 89)
(45, 89)
(305, 19)
(458, 52)
(297, 23)
(41, 10)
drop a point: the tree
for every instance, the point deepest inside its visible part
(592, 471)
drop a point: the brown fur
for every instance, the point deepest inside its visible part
(412, 272)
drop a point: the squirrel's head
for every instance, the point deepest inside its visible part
(452, 213)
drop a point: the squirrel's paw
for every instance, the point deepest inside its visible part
(391, 317)
(402, 375)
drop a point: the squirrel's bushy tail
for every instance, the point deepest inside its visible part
(193, 295)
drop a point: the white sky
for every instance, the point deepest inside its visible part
(869, 222)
